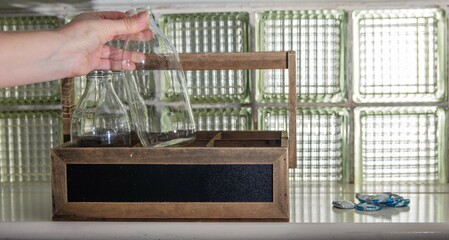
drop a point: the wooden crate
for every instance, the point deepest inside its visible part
(216, 61)
(221, 176)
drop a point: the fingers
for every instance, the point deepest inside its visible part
(118, 54)
(112, 15)
(109, 64)
(106, 15)
(113, 24)
(111, 58)
(144, 35)
(130, 25)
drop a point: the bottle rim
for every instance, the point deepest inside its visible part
(137, 10)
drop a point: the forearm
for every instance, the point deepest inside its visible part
(31, 57)
(72, 50)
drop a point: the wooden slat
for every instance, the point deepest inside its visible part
(252, 135)
(68, 105)
(292, 108)
(280, 183)
(172, 211)
(248, 144)
(191, 155)
(59, 182)
(211, 143)
(220, 61)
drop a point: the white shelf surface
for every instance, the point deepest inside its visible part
(25, 211)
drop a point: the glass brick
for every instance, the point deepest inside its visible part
(25, 202)
(211, 32)
(400, 144)
(25, 140)
(321, 140)
(399, 55)
(223, 119)
(319, 38)
(39, 93)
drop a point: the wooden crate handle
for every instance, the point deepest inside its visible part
(217, 61)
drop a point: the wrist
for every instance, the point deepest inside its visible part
(67, 57)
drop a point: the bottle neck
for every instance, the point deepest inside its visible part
(99, 76)
(97, 82)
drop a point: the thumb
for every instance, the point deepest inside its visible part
(129, 25)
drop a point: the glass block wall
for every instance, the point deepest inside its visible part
(321, 140)
(218, 96)
(30, 119)
(25, 140)
(211, 32)
(400, 69)
(398, 61)
(399, 143)
(40, 93)
(371, 84)
(318, 37)
(399, 55)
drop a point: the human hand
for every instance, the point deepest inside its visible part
(87, 34)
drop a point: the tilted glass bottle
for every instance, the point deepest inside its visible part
(156, 87)
(99, 118)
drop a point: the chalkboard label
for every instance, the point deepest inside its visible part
(169, 183)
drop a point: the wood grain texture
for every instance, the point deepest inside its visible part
(68, 105)
(171, 212)
(220, 61)
(292, 108)
(59, 182)
(192, 155)
(277, 210)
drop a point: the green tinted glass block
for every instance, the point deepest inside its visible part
(400, 144)
(273, 118)
(321, 141)
(399, 55)
(318, 37)
(39, 93)
(225, 119)
(25, 140)
(26, 23)
(25, 202)
(211, 32)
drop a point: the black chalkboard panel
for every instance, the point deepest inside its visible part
(169, 183)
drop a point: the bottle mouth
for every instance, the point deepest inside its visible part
(137, 10)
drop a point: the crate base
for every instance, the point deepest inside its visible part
(221, 176)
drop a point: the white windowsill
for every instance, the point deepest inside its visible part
(25, 212)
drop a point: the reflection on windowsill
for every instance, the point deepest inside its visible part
(309, 203)
(312, 203)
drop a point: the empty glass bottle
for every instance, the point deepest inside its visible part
(99, 118)
(156, 87)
